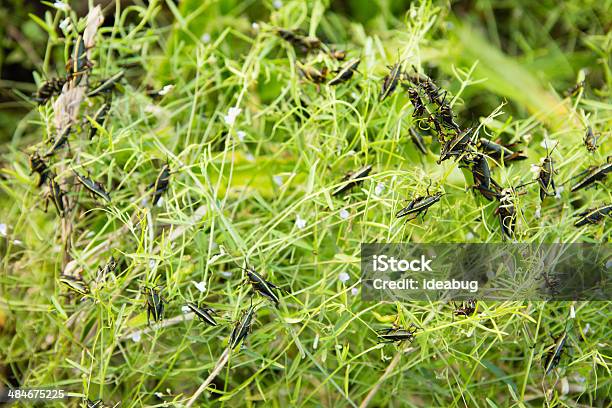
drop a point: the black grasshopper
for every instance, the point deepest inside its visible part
(203, 313)
(590, 141)
(161, 183)
(106, 85)
(445, 115)
(427, 85)
(94, 404)
(498, 151)
(99, 118)
(551, 282)
(339, 55)
(390, 81)
(397, 334)
(262, 286)
(418, 141)
(57, 196)
(481, 172)
(155, 304)
(300, 111)
(59, 142)
(483, 182)
(242, 328)
(545, 178)
(433, 120)
(416, 78)
(92, 186)
(465, 308)
(491, 193)
(419, 205)
(553, 356)
(352, 179)
(313, 74)
(506, 212)
(107, 269)
(298, 39)
(433, 92)
(78, 63)
(416, 101)
(593, 215)
(345, 72)
(574, 89)
(456, 146)
(38, 165)
(593, 175)
(48, 89)
(75, 285)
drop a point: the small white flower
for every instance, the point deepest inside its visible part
(538, 212)
(3, 230)
(159, 394)
(255, 26)
(232, 114)
(469, 236)
(166, 89)
(278, 180)
(339, 346)
(277, 4)
(558, 192)
(249, 156)
(354, 291)
(185, 309)
(343, 277)
(227, 274)
(354, 95)
(535, 169)
(160, 202)
(152, 263)
(300, 223)
(65, 25)
(344, 214)
(135, 337)
(380, 187)
(241, 134)
(61, 6)
(205, 38)
(586, 329)
(144, 202)
(201, 286)
(351, 153)
(17, 242)
(572, 312)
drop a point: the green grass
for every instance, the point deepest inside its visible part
(238, 189)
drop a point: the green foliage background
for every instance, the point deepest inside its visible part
(241, 187)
